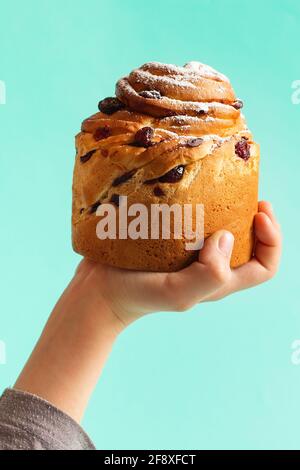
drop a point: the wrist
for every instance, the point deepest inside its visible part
(88, 298)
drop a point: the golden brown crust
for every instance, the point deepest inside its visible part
(191, 102)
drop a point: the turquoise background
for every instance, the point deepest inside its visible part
(220, 376)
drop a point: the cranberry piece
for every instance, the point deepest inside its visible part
(94, 207)
(151, 94)
(104, 152)
(173, 175)
(242, 149)
(143, 137)
(110, 105)
(87, 156)
(158, 191)
(102, 133)
(121, 179)
(115, 199)
(238, 104)
(195, 142)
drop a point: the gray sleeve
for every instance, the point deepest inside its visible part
(28, 422)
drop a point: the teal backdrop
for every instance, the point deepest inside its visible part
(221, 375)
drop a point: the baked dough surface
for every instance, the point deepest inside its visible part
(195, 122)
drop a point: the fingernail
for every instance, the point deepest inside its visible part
(225, 243)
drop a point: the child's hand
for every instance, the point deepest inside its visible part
(100, 301)
(131, 294)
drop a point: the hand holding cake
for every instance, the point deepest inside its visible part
(174, 134)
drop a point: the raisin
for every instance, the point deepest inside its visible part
(238, 104)
(121, 179)
(151, 94)
(158, 191)
(173, 175)
(115, 199)
(102, 133)
(87, 156)
(143, 137)
(195, 142)
(94, 207)
(154, 180)
(110, 105)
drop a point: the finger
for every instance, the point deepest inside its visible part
(264, 264)
(268, 241)
(203, 277)
(267, 208)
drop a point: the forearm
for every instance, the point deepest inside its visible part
(71, 352)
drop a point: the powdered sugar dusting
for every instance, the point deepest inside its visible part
(172, 103)
(187, 90)
(190, 69)
(187, 105)
(205, 70)
(183, 120)
(150, 80)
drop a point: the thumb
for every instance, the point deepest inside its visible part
(205, 276)
(217, 248)
(215, 256)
